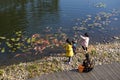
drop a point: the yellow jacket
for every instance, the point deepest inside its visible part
(69, 50)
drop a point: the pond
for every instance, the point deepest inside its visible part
(100, 18)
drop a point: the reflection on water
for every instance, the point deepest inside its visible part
(27, 14)
(33, 16)
(12, 16)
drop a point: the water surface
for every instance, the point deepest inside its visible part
(34, 16)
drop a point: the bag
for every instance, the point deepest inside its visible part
(80, 68)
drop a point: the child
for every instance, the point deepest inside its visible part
(69, 50)
(85, 41)
(74, 45)
(87, 65)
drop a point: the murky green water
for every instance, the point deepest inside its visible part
(35, 16)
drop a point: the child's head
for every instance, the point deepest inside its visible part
(86, 34)
(73, 42)
(68, 41)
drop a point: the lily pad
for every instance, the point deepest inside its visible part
(2, 37)
(3, 50)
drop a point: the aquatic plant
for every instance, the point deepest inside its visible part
(38, 42)
(100, 5)
(100, 20)
(13, 44)
(20, 43)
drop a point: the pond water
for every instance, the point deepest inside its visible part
(35, 16)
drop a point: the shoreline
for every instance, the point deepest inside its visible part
(28, 66)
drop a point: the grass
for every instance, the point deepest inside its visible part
(1, 72)
(93, 52)
(33, 70)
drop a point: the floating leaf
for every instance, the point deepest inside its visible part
(115, 19)
(16, 33)
(19, 32)
(90, 25)
(18, 47)
(13, 51)
(19, 35)
(8, 44)
(56, 34)
(89, 15)
(2, 37)
(17, 39)
(18, 44)
(14, 48)
(100, 5)
(13, 39)
(7, 39)
(89, 19)
(82, 28)
(33, 39)
(2, 50)
(29, 40)
(23, 51)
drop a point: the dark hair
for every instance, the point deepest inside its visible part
(86, 34)
(68, 41)
(73, 42)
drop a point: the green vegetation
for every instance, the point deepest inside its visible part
(1, 72)
(33, 70)
(93, 52)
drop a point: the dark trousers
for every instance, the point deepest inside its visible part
(87, 69)
(74, 50)
(70, 59)
(84, 48)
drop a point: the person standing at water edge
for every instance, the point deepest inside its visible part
(85, 41)
(69, 50)
(74, 45)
